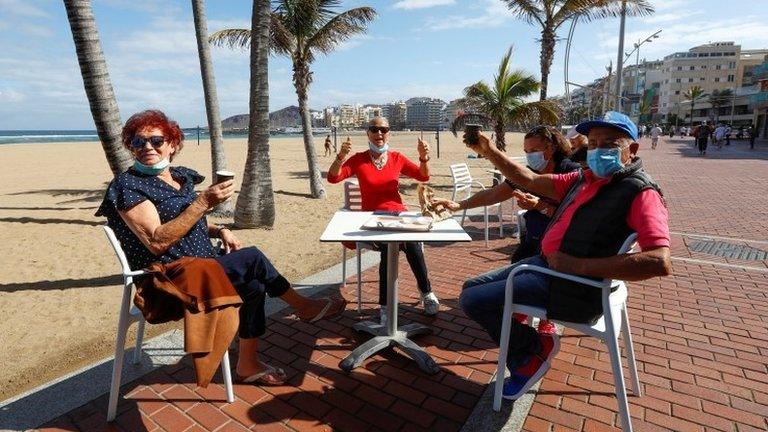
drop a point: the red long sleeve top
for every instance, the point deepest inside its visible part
(379, 189)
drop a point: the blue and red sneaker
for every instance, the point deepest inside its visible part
(525, 376)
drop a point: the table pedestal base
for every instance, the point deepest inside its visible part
(383, 340)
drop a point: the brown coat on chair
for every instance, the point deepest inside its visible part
(198, 290)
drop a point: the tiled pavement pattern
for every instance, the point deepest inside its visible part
(700, 338)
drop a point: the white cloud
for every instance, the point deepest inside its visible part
(22, 8)
(353, 42)
(421, 4)
(165, 7)
(659, 18)
(35, 30)
(493, 14)
(687, 34)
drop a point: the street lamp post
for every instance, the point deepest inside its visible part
(636, 49)
(619, 60)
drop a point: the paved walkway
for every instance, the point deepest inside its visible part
(700, 337)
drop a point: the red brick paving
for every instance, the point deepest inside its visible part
(700, 338)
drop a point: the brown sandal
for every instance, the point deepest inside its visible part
(333, 308)
(270, 376)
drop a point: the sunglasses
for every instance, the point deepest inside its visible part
(156, 141)
(377, 129)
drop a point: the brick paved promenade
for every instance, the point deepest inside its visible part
(700, 338)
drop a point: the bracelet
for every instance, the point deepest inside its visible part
(218, 232)
(340, 158)
(424, 160)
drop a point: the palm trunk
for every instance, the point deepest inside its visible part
(301, 80)
(547, 53)
(498, 129)
(693, 102)
(218, 159)
(98, 87)
(256, 202)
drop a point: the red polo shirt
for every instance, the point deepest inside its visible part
(647, 216)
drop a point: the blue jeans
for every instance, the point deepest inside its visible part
(482, 299)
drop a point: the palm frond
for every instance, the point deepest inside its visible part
(281, 40)
(232, 38)
(534, 113)
(589, 10)
(340, 28)
(520, 84)
(527, 10)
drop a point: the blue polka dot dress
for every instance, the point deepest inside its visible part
(131, 188)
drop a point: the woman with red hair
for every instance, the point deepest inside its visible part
(158, 216)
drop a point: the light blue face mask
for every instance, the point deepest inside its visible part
(536, 160)
(376, 149)
(154, 169)
(604, 162)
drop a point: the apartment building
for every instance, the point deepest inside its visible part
(713, 66)
(347, 116)
(424, 113)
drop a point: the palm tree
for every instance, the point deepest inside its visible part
(256, 202)
(300, 29)
(693, 94)
(218, 159)
(644, 109)
(547, 15)
(504, 102)
(719, 98)
(98, 87)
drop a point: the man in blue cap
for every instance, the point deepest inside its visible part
(599, 208)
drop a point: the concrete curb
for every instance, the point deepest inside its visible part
(55, 398)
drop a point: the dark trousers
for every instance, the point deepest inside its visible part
(253, 276)
(415, 257)
(702, 144)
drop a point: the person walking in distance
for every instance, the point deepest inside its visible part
(327, 146)
(655, 133)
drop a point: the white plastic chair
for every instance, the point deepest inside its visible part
(614, 320)
(462, 189)
(130, 314)
(520, 215)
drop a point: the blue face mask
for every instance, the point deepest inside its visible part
(536, 160)
(604, 162)
(376, 149)
(151, 169)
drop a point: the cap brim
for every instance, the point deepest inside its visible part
(584, 128)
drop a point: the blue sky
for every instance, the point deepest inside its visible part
(414, 48)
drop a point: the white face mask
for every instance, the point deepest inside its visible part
(536, 160)
(378, 149)
(153, 169)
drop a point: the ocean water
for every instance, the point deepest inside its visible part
(54, 136)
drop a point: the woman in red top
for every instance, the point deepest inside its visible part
(378, 171)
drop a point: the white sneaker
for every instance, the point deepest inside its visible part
(431, 303)
(383, 315)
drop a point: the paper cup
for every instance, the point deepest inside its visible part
(222, 176)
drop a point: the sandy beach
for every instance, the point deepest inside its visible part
(59, 292)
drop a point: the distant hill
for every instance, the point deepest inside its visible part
(286, 117)
(239, 121)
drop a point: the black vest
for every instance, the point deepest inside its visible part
(597, 230)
